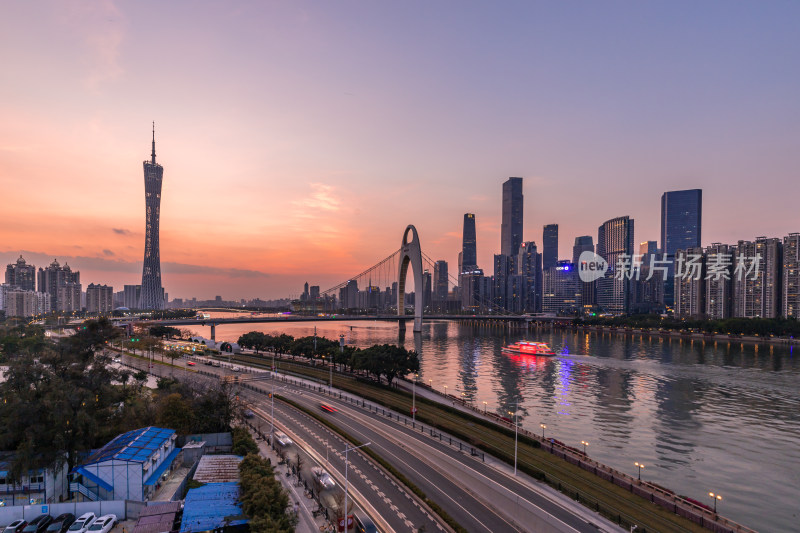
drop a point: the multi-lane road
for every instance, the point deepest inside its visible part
(482, 497)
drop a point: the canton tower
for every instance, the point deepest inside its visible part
(152, 295)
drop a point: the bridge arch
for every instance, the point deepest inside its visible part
(410, 253)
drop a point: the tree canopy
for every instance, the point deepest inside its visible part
(386, 360)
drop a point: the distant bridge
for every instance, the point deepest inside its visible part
(214, 322)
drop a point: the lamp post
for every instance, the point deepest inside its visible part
(543, 426)
(414, 398)
(640, 465)
(430, 383)
(715, 497)
(445, 390)
(347, 448)
(484, 407)
(516, 431)
(585, 444)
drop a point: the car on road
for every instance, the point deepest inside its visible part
(364, 523)
(282, 440)
(191, 363)
(16, 526)
(328, 408)
(82, 523)
(103, 524)
(248, 413)
(117, 360)
(323, 478)
(61, 523)
(38, 524)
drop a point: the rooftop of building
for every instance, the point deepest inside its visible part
(212, 506)
(135, 446)
(218, 469)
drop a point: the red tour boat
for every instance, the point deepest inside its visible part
(529, 348)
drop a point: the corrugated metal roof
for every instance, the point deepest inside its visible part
(160, 508)
(135, 446)
(218, 469)
(212, 506)
(158, 518)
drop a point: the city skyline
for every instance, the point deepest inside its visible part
(258, 179)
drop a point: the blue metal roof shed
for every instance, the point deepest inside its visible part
(212, 506)
(129, 467)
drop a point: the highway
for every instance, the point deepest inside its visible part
(479, 497)
(389, 500)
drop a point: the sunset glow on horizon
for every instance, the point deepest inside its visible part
(299, 139)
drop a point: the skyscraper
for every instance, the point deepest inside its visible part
(719, 281)
(440, 284)
(529, 267)
(582, 244)
(511, 228)
(469, 248)
(681, 225)
(550, 246)
(152, 292)
(614, 238)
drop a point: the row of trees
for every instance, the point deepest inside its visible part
(61, 398)
(387, 361)
(784, 327)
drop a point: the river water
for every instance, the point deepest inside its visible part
(701, 416)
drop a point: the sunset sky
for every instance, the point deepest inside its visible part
(300, 138)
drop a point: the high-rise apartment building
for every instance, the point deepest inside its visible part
(131, 296)
(757, 287)
(511, 227)
(690, 283)
(719, 281)
(469, 247)
(681, 228)
(152, 296)
(529, 268)
(21, 275)
(791, 275)
(99, 299)
(427, 289)
(17, 302)
(549, 246)
(63, 285)
(614, 242)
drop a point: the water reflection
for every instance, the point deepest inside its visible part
(703, 415)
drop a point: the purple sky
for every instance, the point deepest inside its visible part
(299, 139)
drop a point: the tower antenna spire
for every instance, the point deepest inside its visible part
(154, 143)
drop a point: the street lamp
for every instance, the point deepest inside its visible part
(445, 390)
(715, 497)
(414, 398)
(543, 426)
(516, 432)
(484, 407)
(585, 444)
(640, 465)
(347, 448)
(430, 383)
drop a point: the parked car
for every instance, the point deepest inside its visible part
(16, 526)
(61, 523)
(323, 478)
(82, 523)
(103, 524)
(38, 524)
